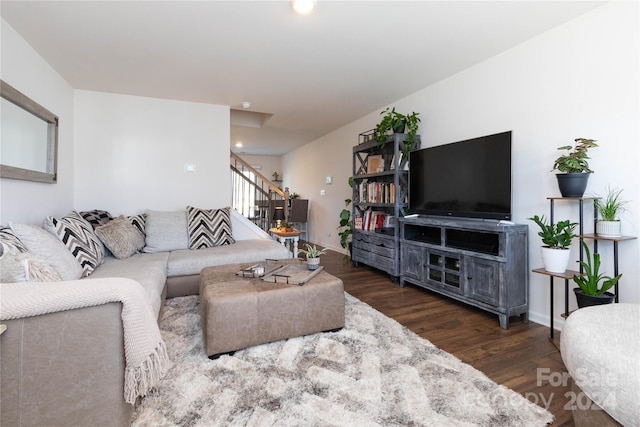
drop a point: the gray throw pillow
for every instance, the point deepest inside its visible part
(121, 237)
(49, 249)
(166, 231)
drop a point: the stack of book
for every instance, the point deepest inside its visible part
(372, 220)
(376, 192)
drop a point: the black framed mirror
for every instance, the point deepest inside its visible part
(28, 138)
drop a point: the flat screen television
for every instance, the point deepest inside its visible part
(470, 178)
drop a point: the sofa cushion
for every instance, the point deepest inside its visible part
(208, 227)
(8, 237)
(96, 217)
(121, 237)
(150, 270)
(166, 231)
(50, 249)
(187, 262)
(78, 236)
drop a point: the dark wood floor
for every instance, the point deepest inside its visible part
(521, 358)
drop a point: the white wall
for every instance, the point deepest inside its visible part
(131, 153)
(266, 165)
(578, 80)
(24, 69)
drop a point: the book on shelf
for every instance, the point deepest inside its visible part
(376, 192)
(357, 222)
(370, 220)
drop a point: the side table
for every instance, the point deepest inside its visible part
(285, 237)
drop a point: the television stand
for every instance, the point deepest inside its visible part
(481, 263)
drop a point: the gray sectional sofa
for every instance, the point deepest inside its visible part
(67, 367)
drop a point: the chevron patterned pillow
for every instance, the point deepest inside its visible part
(209, 227)
(8, 237)
(78, 236)
(139, 222)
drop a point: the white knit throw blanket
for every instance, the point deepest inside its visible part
(145, 352)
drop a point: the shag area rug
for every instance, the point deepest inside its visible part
(372, 372)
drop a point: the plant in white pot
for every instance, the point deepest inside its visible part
(557, 241)
(572, 182)
(609, 209)
(313, 256)
(593, 285)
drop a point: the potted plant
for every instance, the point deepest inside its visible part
(593, 285)
(557, 240)
(610, 208)
(395, 122)
(572, 182)
(313, 256)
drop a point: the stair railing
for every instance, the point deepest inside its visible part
(251, 192)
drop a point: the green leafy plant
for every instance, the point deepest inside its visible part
(285, 224)
(575, 161)
(345, 229)
(313, 251)
(593, 282)
(391, 121)
(275, 176)
(612, 206)
(556, 236)
(397, 122)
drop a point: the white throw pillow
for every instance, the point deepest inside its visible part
(48, 248)
(16, 266)
(166, 231)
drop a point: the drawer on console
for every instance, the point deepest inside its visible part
(380, 245)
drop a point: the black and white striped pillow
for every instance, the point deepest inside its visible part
(8, 237)
(78, 236)
(209, 227)
(139, 222)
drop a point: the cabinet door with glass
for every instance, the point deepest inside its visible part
(445, 270)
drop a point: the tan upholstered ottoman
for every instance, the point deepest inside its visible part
(240, 312)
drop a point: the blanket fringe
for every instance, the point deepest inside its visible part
(139, 380)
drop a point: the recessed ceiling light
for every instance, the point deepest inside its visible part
(246, 104)
(303, 7)
(238, 144)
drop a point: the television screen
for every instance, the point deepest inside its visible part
(470, 178)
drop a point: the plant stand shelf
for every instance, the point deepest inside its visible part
(615, 241)
(567, 275)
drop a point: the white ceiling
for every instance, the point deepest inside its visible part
(314, 73)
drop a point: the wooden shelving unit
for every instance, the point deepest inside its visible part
(379, 247)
